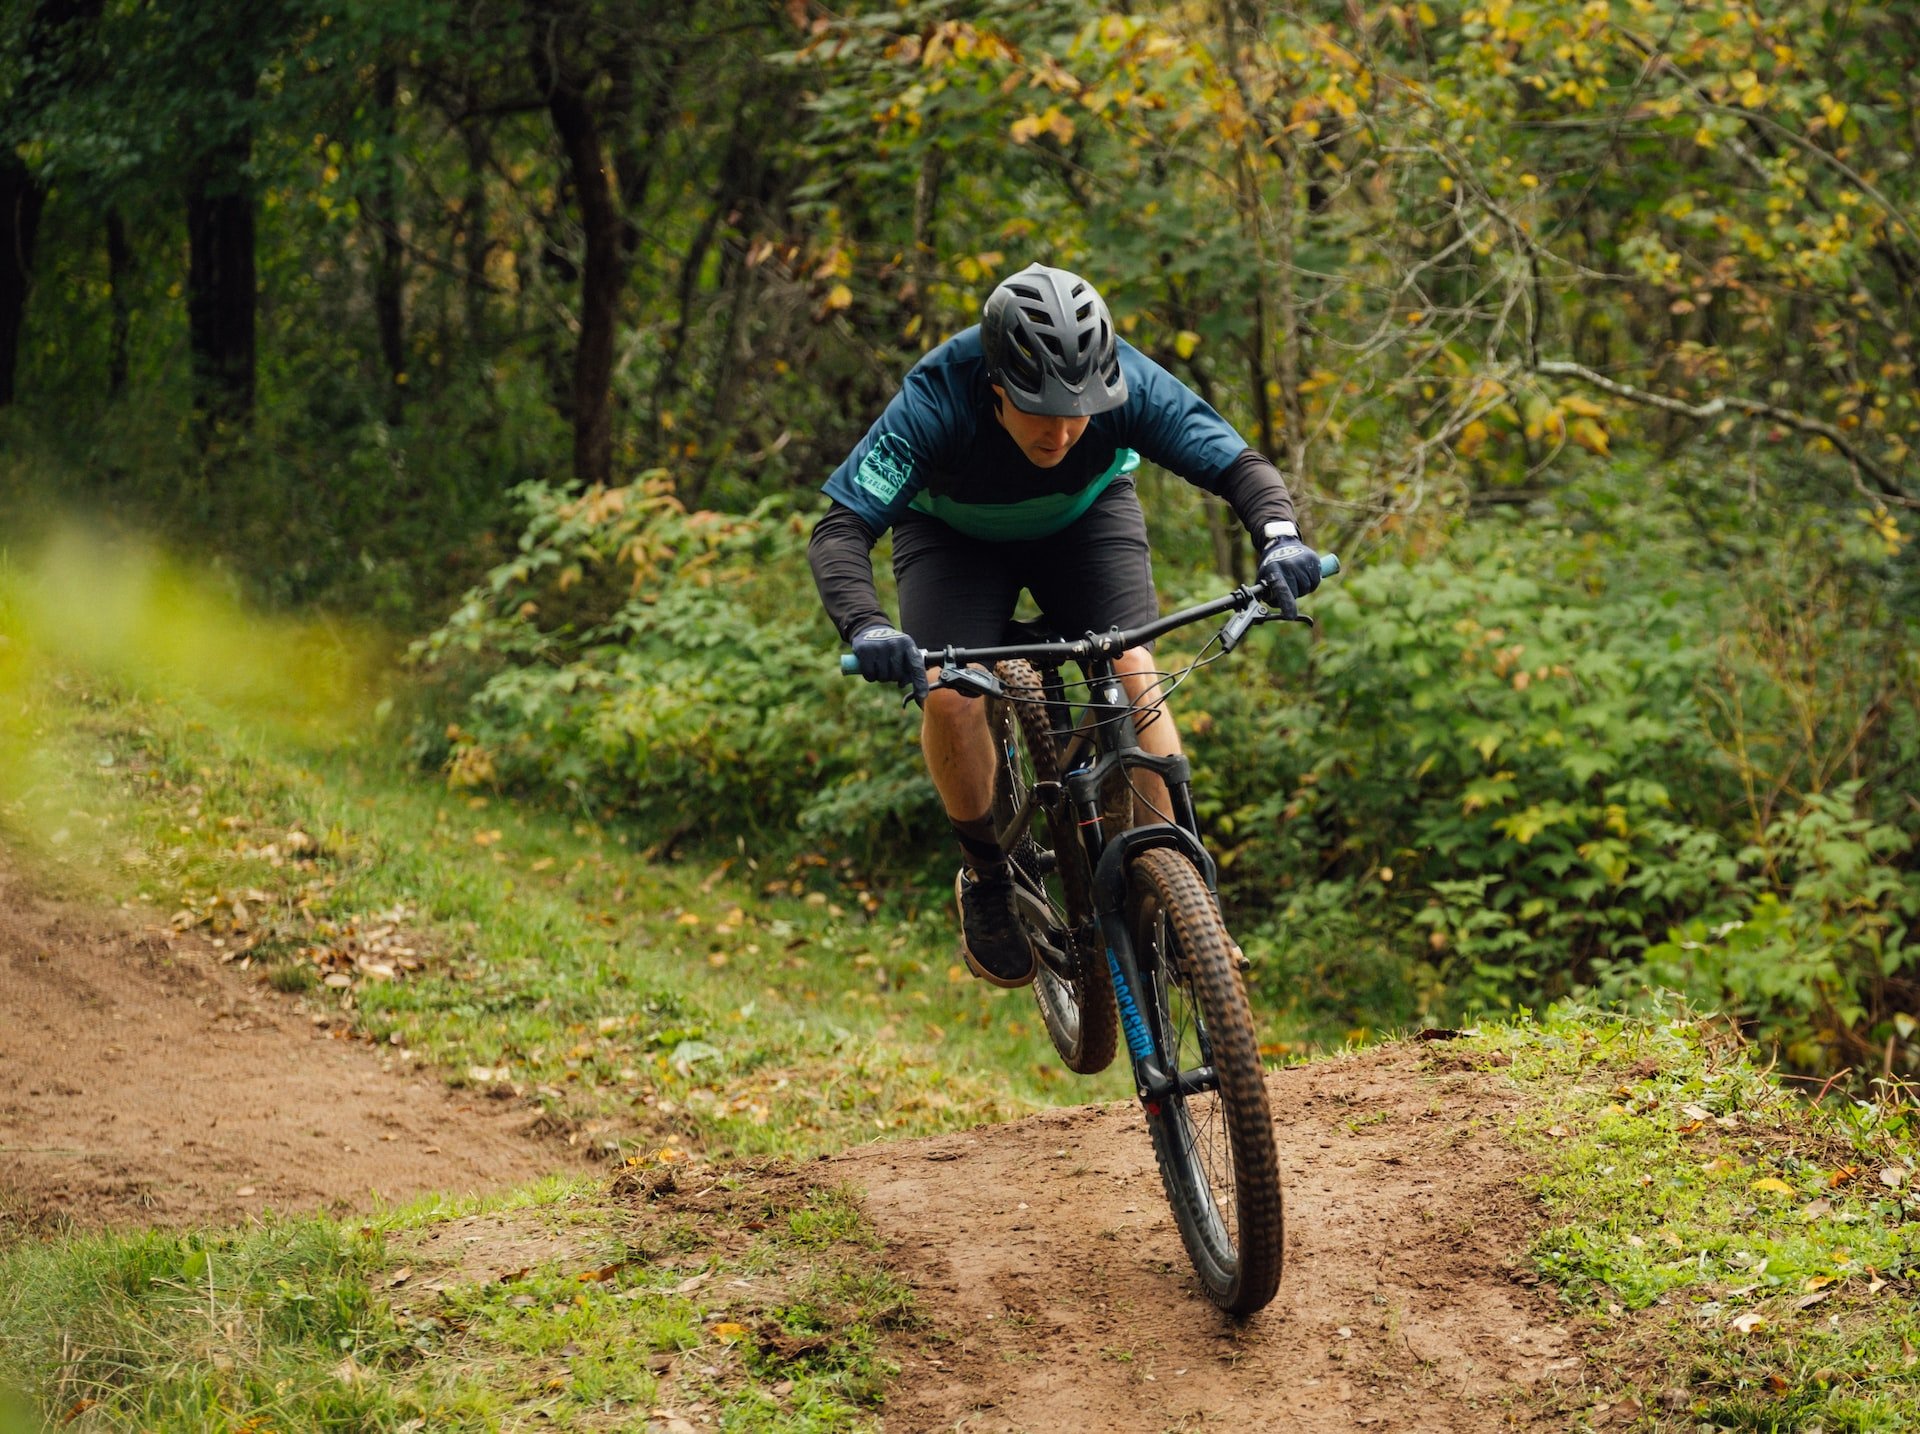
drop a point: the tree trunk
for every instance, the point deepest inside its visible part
(21, 200)
(926, 214)
(389, 281)
(474, 221)
(604, 272)
(119, 282)
(220, 287)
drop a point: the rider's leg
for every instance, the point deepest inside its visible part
(1158, 735)
(960, 758)
(956, 590)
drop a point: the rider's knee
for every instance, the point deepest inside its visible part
(948, 710)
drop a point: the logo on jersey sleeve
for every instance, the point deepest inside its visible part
(886, 468)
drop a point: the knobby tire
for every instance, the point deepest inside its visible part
(1215, 1148)
(1078, 1012)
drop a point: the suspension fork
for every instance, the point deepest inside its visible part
(1135, 988)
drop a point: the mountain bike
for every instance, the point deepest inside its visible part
(1121, 902)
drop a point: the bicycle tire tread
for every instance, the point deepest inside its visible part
(1215, 982)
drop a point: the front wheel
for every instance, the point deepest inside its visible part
(1212, 1134)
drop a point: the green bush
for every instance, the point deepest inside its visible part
(1527, 768)
(1509, 762)
(674, 665)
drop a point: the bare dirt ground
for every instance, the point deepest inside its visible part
(1045, 1253)
(143, 1083)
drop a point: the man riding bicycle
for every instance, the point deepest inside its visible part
(1005, 463)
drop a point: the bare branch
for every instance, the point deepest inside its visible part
(1890, 489)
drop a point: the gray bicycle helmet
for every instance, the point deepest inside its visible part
(1050, 344)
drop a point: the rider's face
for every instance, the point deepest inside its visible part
(1043, 439)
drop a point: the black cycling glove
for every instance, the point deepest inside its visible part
(886, 654)
(1288, 568)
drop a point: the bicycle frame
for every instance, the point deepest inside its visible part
(1103, 739)
(1106, 728)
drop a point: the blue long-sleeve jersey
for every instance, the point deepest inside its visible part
(939, 449)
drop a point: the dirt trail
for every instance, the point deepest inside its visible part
(142, 1083)
(1044, 1252)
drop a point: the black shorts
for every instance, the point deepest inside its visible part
(1092, 575)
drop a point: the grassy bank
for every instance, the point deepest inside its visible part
(1736, 1254)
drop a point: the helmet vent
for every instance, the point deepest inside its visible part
(1049, 342)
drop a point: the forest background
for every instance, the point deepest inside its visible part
(526, 333)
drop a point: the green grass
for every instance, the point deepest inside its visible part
(738, 1006)
(316, 1324)
(1740, 1257)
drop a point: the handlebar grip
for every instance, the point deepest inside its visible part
(849, 665)
(1329, 564)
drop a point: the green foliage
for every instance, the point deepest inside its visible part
(1507, 751)
(1816, 955)
(651, 659)
(1529, 767)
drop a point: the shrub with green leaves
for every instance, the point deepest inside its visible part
(1527, 768)
(672, 664)
(1510, 761)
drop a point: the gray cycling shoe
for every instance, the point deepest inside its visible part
(992, 940)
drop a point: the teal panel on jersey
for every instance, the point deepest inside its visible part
(1038, 517)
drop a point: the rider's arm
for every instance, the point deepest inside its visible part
(1254, 489)
(841, 555)
(929, 415)
(1173, 426)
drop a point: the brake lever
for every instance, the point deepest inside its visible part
(970, 682)
(1252, 616)
(1243, 620)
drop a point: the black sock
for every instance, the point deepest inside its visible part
(976, 842)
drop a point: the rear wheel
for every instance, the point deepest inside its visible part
(1073, 987)
(1212, 1134)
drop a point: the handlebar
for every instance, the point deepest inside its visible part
(1106, 644)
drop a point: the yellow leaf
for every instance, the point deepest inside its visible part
(1772, 1186)
(1589, 435)
(728, 1330)
(839, 297)
(1185, 342)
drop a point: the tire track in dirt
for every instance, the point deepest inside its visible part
(1060, 1297)
(143, 1084)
